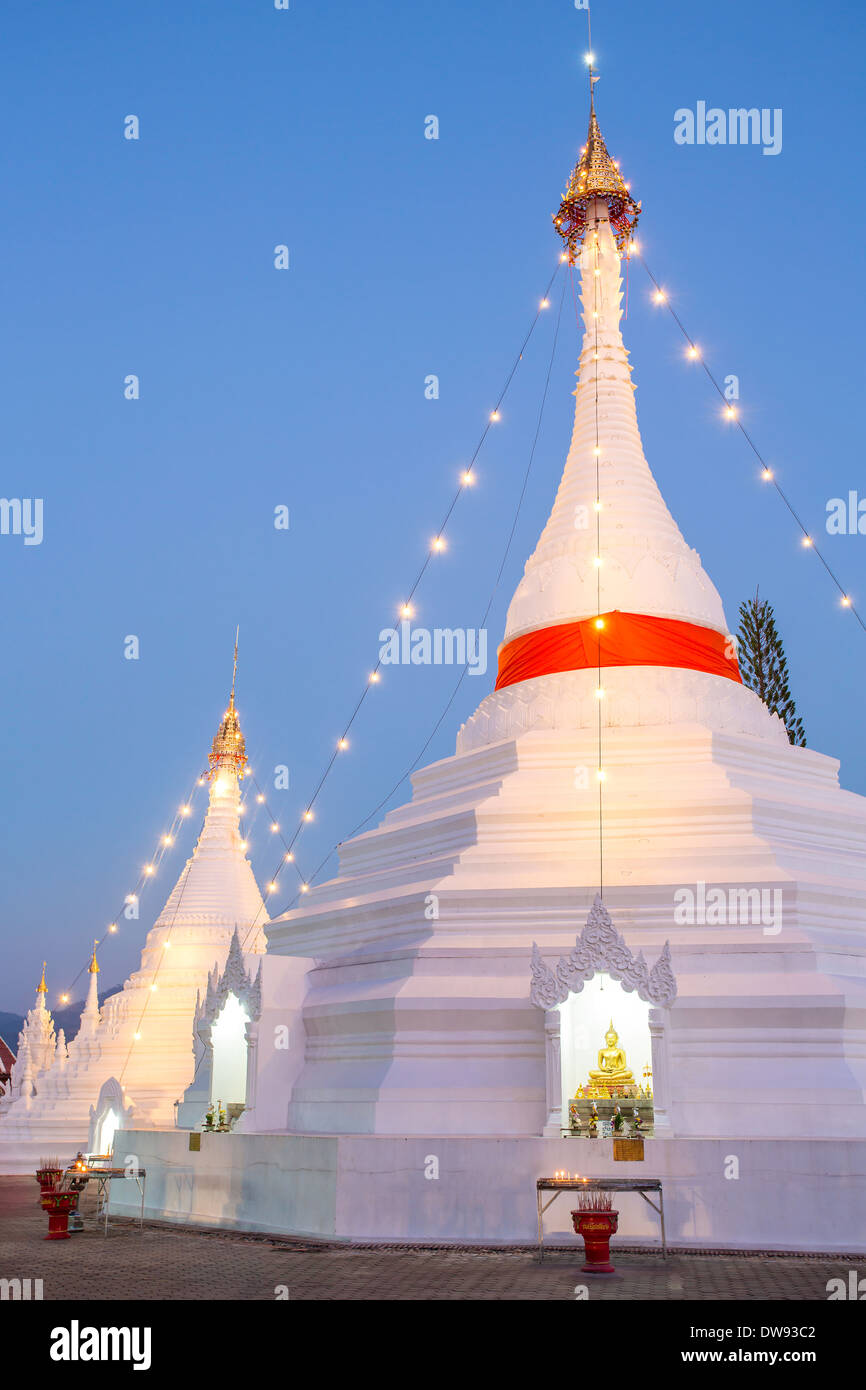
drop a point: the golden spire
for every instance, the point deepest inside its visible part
(235, 667)
(93, 968)
(595, 175)
(229, 747)
(42, 987)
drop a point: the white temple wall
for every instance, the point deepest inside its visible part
(755, 1194)
(276, 1044)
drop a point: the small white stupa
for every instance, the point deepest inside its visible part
(132, 1060)
(36, 1048)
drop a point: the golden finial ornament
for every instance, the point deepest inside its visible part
(595, 175)
(93, 967)
(42, 987)
(229, 747)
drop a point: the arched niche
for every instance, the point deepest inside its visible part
(600, 950)
(228, 1040)
(112, 1111)
(224, 1023)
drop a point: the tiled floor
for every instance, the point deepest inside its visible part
(175, 1263)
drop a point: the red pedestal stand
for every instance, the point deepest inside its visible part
(596, 1227)
(58, 1205)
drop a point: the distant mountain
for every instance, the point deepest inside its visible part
(10, 1027)
(68, 1018)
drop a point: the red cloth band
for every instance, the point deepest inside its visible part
(626, 639)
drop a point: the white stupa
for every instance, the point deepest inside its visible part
(132, 1060)
(451, 988)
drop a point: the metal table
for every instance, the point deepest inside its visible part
(557, 1185)
(103, 1177)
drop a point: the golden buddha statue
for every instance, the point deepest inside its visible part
(612, 1073)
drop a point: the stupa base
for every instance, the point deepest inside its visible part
(790, 1194)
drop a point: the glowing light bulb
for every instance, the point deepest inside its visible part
(374, 676)
(406, 610)
(563, 257)
(167, 840)
(596, 451)
(136, 1037)
(153, 989)
(731, 413)
(166, 945)
(308, 815)
(64, 998)
(272, 887)
(597, 506)
(596, 271)
(596, 560)
(693, 352)
(807, 541)
(494, 415)
(112, 926)
(186, 810)
(305, 887)
(245, 844)
(438, 543)
(595, 357)
(261, 798)
(599, 692)
(545, 304)
(601, 774)
(149, 869)
(599, 622)
(289, 857)
(767, 474)
(589, 58)
(274, 827)
(659, 296)
(846, 602)
(342, 744)
(634, 246)
(467, 478)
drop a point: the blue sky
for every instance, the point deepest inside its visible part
(306, 387)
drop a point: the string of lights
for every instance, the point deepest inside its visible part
(148, 873)
(467, 478)
(599, 621)
(406, 610)
(768, 475)
(305, 883)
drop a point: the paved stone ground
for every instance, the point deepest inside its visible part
(180, 1263)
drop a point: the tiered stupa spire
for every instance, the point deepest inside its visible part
(612, 582)
(595, 175)
(229, 746)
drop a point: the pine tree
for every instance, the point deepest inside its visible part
(763, 666)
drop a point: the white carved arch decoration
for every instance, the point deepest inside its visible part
(600, 947)
(236, 980)
(112, 1096)
(247, 988)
